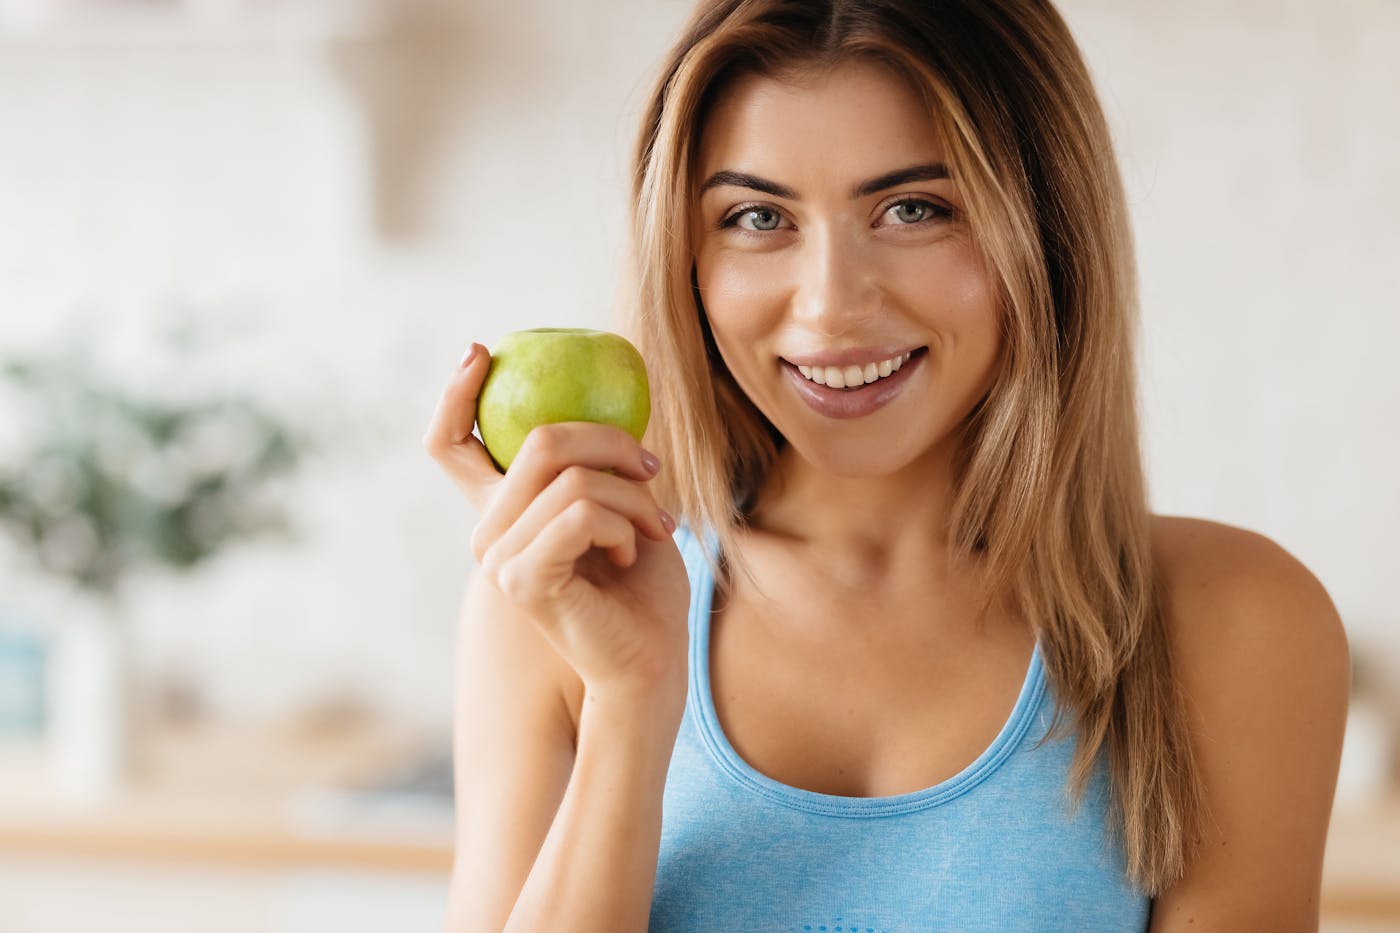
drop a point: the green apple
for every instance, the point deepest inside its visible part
(554, 374)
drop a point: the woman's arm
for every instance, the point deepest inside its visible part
(1263, 661)
(579, 582)
(548, 837)
(597, 868)
(513, 751)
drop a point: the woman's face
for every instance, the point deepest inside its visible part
(831, 248)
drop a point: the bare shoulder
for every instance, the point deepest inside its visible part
(1261, 658)
(1225, 584)
(1201, 546)
(1245, 615)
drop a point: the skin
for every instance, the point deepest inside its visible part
(865, 497)
(849, 539)
(849, 533)
(849, 536)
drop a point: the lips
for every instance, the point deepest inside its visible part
(842, 404)
(857, 356)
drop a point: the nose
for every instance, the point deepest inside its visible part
(835, 289)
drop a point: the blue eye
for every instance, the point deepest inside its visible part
(763, 219)
(915, 210)
(910, 211)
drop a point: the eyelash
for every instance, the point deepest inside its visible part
(936, 211)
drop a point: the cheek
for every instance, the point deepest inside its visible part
(736, 291)
(975, 302)
(957, 295)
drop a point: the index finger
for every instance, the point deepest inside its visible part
(449, 436)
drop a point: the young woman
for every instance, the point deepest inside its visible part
(917, 657)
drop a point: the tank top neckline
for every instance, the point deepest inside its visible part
(751, 779)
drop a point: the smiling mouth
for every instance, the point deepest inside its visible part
(856, 378)
(841, 404)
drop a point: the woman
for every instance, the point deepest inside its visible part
(917, 656)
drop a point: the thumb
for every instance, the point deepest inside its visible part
(449, 436)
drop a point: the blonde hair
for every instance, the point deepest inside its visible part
(1049, 489)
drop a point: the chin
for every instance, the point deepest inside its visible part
(853, 460)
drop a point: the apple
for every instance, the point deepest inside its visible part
(553, 374)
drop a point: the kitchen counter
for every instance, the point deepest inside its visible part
(253, 795)
(282, 796)
(1361, 871)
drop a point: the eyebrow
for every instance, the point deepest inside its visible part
(930, 171)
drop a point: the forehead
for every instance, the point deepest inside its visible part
(859, 116)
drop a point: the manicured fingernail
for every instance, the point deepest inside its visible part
(471, 354)
(668, 522)
(650, 463)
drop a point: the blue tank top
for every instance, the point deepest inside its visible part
(993, 848)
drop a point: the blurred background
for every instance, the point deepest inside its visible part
(243, 244)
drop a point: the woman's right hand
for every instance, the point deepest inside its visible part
(560, 539)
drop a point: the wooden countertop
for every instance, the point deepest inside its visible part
(264, 796)
(252, 795)
(1361, 871)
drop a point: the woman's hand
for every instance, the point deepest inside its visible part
(586, 554)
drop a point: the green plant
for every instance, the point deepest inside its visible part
(105, 480)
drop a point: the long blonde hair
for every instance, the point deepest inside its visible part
(1049, 489)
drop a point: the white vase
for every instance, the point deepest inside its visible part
(88, 734)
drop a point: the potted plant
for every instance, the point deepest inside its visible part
(97, 482)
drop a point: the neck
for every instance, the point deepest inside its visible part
(866, 529)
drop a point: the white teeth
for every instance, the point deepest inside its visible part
(838, 377)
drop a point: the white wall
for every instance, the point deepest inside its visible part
(151, 173)
(352, 213)
(1259, 142)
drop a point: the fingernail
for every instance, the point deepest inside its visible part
(668, 522)
(471, 354)
(650, 463)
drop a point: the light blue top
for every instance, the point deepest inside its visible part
(993, 848)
